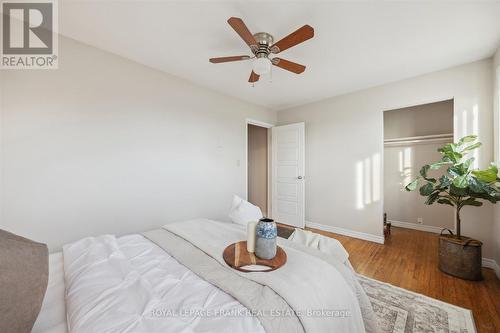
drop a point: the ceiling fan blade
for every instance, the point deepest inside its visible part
(253, 77)
(289, 65)
(298, 36)
(228, 59)
(241, 29)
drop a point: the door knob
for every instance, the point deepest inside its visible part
(299, 177)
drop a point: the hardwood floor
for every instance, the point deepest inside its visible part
(408, 260)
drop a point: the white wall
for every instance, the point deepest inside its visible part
(344, 145)
(105, 145)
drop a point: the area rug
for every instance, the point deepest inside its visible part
(402, 311)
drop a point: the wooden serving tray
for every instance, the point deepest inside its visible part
(237, 256)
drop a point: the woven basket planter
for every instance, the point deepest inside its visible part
(460, 257)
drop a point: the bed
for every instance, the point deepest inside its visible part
(172, 280)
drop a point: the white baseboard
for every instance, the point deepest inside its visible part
(491, 263)
(346, 232)
(416, 226)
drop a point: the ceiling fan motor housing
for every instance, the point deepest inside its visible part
(264, 41)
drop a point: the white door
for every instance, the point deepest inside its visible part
(288, 145)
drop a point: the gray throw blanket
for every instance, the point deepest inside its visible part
(24, 272)
(307, 282)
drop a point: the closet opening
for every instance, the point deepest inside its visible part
(412, 136)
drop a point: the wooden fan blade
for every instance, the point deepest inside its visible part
(298, 36)
(227, 59)
(289, 65)
(253, 77)
(241, 29)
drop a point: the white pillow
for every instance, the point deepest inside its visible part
(243, 211)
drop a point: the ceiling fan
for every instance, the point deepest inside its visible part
(262, 46)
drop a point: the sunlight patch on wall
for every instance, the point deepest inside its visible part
(407, 166)
(464, 120)
(469, 125)
(359, 186)
(455, 125)
(376, 181)
(475, 130)
(368, 181)
(400, 157)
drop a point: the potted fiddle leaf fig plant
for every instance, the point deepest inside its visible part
(459, 186)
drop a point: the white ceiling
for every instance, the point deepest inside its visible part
(356, 45)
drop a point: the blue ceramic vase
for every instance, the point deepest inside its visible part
(265, 239)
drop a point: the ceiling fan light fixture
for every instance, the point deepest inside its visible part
(261, 65)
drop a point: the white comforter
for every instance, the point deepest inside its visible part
(323, 298)
(131, 285)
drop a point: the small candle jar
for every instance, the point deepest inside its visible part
(251, 236)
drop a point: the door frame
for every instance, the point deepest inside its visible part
(249, 121)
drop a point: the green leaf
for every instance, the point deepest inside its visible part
(487, 196)
(488, 176)
(484, 176)
(427, 189)
(423, 173)
(449, 153)
(455, 171)
(493, 188)
(445, 201)
(466, 139)
(435, 166)
(471, 202)
(493, 168)
(446, 148)
(456, 191)
(444, 181)
(468, 163)
(423, 170)
(447, 159)
(412, 186)
(473, 146)
(461, 181)
(455, 157)
(476, 185)
(432, 198)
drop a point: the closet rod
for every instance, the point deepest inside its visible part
(420, 139)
